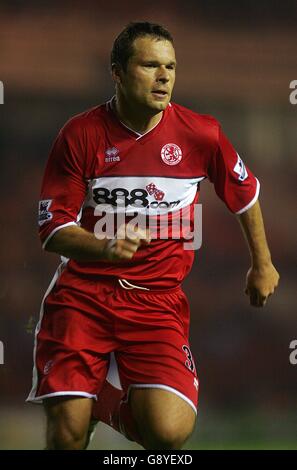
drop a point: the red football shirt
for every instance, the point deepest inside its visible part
(97, 162)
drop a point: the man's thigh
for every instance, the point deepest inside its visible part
(150, 404)
(68, 420)
(162, 417)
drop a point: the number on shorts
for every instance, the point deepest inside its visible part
(189, 362)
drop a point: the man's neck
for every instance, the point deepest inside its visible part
(134, 119)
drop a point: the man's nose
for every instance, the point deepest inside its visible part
(163, 75)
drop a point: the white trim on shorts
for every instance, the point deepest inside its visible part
(164, 387)
(31, 396)
(39, 399)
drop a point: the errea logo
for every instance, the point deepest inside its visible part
(112, 155)
(48, 367)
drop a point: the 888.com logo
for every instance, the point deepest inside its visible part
(138, 198)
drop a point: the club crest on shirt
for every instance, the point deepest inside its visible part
(112, 155)
(171, 154)
(240, 169)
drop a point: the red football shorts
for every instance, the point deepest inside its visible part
(83, 320)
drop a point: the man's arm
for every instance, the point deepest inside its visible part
(262, 277)
(77, 243)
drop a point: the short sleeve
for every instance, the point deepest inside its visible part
(64, 187)
(234, 182)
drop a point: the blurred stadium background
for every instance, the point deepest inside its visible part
(235, 61)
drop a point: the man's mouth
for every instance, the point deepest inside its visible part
(159, 93)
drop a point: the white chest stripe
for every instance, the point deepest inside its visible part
(146, 194)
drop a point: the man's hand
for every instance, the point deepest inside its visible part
(262, 278)
(261, 283)
(77, 243)
(128, 240)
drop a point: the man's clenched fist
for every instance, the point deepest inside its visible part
(126, 242)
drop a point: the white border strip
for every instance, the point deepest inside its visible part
(164, 387)
(250, 204)
(38, 326)
(56, 230)
(150, 130)
(38, 400)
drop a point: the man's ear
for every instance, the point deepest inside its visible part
(116, 73)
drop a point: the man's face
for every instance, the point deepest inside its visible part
(150, 75)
